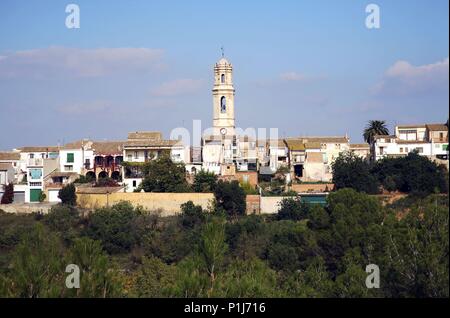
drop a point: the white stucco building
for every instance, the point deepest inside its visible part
(430, 140)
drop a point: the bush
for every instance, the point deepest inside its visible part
(411, 174)
(8, 195)
(351, 171)
(293, 209)
(63, 219)
(119, 227)
(230, 197)
(67, 195)
(191, 215)
(204, 181)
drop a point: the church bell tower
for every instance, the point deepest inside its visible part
(223, 98)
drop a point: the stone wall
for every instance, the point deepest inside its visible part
(253, 204)
(270, 204)
(313, 187)
(168, 203)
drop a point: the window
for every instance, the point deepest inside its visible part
(35, 174)
(70, 158)
(406, 150)
(68, 168)
(134, 183)
(136, 155)
(222, 78)
(401, 150)
(31, 155)
(43, 155)
(223, 104)
(130, 157)
(419, 149)
(441, 136)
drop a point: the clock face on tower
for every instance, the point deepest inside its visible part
(223, 131)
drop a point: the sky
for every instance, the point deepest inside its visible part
(304, 67)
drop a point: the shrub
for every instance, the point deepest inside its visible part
(191, 215)
(230, 197)
(293, 209)
(67, 195)
(8, 195)
(204, 181)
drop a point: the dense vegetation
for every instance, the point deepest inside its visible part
(412, 174)
(304, 251)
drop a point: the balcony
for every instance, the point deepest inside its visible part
(35, 162)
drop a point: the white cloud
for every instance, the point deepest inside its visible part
(178, 87)
(74, 62)
(292, 76)
(402, 79)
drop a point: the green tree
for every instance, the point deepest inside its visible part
(250, 278)
(413, 173)
(98, 278)
(230, 197)
(374, 128)
(212, 249)
(8, 195)
(351, 171)
(37, 267)
(119, 227)
(163, 175)
(63, 219)
(191, 215)
(293, 209)
(68, 195)
(154, 279)
(204, 181)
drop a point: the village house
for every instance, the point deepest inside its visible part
(361, 150)
(310, 158)
(93, 159)
(430, 140)
(144, 146)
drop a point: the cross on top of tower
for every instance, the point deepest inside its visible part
(223, 51)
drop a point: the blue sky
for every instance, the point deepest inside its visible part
(305, 67)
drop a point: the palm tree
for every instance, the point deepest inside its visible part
(373, 128)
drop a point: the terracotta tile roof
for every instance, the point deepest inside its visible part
(55, 174)
(77, 144)
(99, 147)
(145, 135)
(359, 146)
(437, 127)
(150, 143)
(321, 139)
(5, 166)
(108, 147)
(411, 126)
(312, 145)
(40, 149)
(9, 155)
